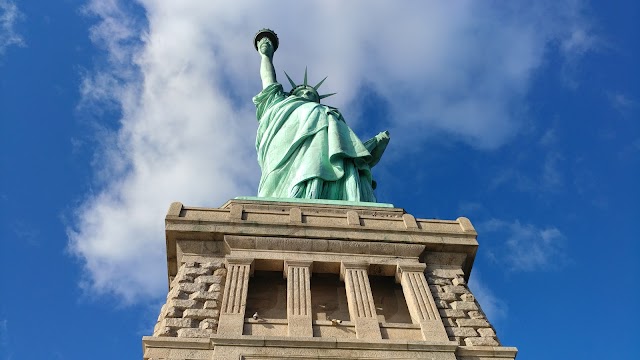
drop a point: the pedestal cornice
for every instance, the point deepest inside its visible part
(207, 227)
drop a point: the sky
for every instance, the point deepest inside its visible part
(522, 116)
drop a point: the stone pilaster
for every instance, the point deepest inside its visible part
(234, 299)
(420, 302)
(361, 306)
(298, 274)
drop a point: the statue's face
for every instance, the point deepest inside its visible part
(265, 46)
(308, 93)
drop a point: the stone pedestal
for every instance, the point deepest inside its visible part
(217, 309)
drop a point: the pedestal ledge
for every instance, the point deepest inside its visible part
(204, 229)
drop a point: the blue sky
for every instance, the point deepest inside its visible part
(522, 116)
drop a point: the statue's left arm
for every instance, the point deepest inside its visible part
(376, 146)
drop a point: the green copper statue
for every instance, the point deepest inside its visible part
(305, 149)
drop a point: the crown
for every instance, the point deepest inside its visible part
(295, 87)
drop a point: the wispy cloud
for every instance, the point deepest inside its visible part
(494, 307)
(4, 338)
(182, 75)
(536, 169)
(26, 232)
(622, 103)
(525, 247)
(9, 17)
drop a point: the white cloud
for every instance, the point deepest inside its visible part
(494, 308)
(622, 103)
(525, 247)
(538, 169)
(9, 16)
(184, 76)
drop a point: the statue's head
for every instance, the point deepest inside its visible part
(306, 91)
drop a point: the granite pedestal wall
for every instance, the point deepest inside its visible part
(387, 285)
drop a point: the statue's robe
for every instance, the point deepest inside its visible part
(306, 150)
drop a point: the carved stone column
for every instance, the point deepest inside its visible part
(361, 306)
(298, 274)
(420, 302)
(234, 299)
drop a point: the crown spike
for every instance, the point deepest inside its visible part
(305, 76)
(320, 83)
(293, 85)
(326, 95)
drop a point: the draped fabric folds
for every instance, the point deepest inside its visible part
(306, 150)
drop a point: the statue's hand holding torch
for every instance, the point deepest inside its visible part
(266, 42)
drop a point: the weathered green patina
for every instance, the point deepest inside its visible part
(305, 149)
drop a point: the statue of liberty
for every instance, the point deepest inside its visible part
(305, 149)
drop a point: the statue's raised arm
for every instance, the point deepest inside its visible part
(305, 149)
(266, 43)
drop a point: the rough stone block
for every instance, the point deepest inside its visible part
(467, 297)
(486, 332)
(438, 281)
(210, 279)
(200, 314)
(173, 312)
(189, 271)
(449, 322)
(446, 296)
(455, 289)
(209, 324)
(164, 332)
(215, 288)
(182, 304)
(216, 264)
(184, 279)
(459, 281)
(464, 305)
(446, 273)
(220, 272)
(435, 288)
(460, 331)
(211, 304)
(481, 341)
(195, 333)
(451, 313)
(191, 288)
(442, 304)
(476, 314)
(205, 295)
(474, 323)
(176, 293)
(179, 323)
(163, 310)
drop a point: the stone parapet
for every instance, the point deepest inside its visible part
(311, 221)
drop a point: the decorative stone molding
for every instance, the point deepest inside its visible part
(298, 274)
(382, 225)
(420, 301)
(234, 300)
(361, 306)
